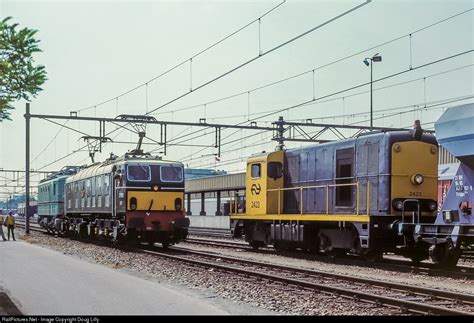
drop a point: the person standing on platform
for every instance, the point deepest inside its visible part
(10, 225)
(1, 227)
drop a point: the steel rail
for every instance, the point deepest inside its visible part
(459, 272)
(454, 298)
(360, 295)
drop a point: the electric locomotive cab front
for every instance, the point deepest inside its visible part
(151, 194)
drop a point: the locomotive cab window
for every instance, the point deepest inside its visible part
(88, 187)
(99, 185)
(138, 173)
(106, 185)
(172, 174)
(344, 175)
(255, 170)
(275, 170)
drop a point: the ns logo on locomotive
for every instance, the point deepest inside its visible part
(134, 198)
(368, 195)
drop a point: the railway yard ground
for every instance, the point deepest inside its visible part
(94, 287)
(207, 287)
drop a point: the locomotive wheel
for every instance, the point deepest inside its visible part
(131, 239)
(256, 244)
(451, 260)
(418, 255)
(445, 255)
(373, 256)
(238, 232)
(119, 241)
(151, 242)
(335, 253)
(82, 233)
(279, 246)
(416, 258)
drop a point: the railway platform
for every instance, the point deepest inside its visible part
(39, 281)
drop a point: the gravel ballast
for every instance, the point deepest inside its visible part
(256, 297)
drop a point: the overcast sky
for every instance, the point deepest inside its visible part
(94, 51)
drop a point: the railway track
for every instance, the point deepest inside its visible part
(410, 299)
(407, 299)
(460, 272)
(210, 232)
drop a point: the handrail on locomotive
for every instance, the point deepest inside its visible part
(234, 200)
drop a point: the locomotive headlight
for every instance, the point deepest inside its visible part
(155, 188)
(417, 179)
(397, 204)
(178, 204)
(432, 205)
(133, 203)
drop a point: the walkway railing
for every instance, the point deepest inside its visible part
(301, 189)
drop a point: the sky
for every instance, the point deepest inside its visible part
(94, 51)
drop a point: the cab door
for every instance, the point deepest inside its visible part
(256, 187)
(264, 181)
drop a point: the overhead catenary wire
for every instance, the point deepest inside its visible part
(184, 61)
(354, 94)
(259, 56)
(80, 149)
(306, 102)
(253, 144)
(379, 112)
(292, 107)
(322, 66)
(434, 103)
(279, 110)
(49, 143)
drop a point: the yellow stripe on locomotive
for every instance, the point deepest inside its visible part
(154, 201)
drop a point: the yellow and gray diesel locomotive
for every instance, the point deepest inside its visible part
(133, 198)
(344, 196)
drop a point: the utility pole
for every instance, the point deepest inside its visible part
(371, 98)
(375, 58)
(27, 169)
